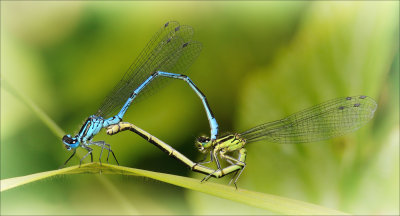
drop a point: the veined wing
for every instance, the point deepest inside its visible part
(321, 122)
(168, 40)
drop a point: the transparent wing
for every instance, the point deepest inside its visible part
(167, 41)
(324, 121)
(181, 60)
(177, 63)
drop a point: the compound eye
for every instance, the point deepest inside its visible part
(203, 139)
(68, 140)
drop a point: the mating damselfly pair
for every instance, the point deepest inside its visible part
(169, 54)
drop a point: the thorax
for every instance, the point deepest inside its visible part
(90, 128)
(229, 143)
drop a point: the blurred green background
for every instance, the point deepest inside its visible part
(260, 62)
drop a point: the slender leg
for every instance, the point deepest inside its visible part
(230, 159)
(89, 152)
(101, 152)
(237, 176)
(112, 152)
(73, 153)
(209, 175)
(234, 175)
(102, 145)
(215, 154)
(109, 150)
(202, 161)
(212, 121)
(240, 162)
(106, 146)
(230, 162)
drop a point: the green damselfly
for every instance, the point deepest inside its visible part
(327, 120)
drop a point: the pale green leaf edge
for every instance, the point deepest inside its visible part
(268, 202)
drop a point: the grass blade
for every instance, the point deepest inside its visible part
(268, 202)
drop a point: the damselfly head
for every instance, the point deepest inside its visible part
(203, 144)
(70, 142)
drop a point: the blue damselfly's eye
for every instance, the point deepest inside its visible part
(68, 140)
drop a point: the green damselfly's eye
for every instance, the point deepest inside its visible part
(203, 139)
(203, 144)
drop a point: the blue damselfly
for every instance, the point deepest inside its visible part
(168, 54)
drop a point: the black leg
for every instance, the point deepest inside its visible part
(114, 157)
(215, 157)
(237, 175)
(73, 153)
(216, 160)
(233, 177)
(109, 149)
(91, 156)
(89, 152)
(101, 153)
(103, 146)
(208, 176)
